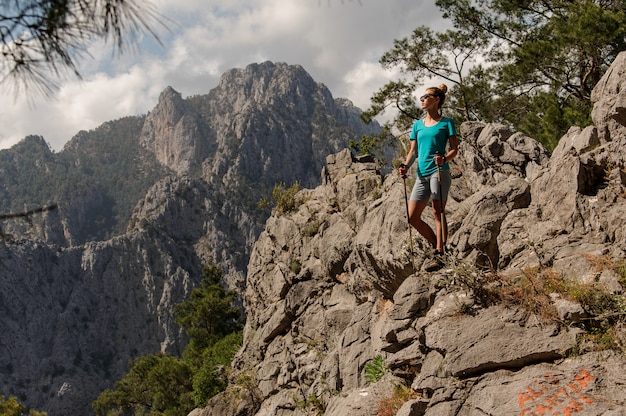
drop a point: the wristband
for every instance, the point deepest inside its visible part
(402, 165)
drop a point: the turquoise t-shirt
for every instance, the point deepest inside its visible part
(431, 140)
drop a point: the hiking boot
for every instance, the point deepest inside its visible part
(436, 263)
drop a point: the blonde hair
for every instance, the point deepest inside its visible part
(440, 92)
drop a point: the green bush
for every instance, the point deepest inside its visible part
(295, 266)
(285, 199)
(210, 313)
(211, 378)
(375, 369)
(155, 385)
(11, 407)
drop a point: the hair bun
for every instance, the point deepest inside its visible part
(443, 88)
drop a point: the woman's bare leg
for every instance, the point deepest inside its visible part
(438, 229)
(415, 217)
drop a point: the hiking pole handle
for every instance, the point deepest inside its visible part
(403, 166)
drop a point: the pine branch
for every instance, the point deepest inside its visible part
(28, 214)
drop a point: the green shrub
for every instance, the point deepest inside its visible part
(285, 199)
(312, 227)
(311, 403)
(212, 378)
(155, 385)
(295, 267)
(375, 369)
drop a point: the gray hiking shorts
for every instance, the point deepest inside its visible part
(428, 186)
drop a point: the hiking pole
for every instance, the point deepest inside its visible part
(444, 224)
(408, 218)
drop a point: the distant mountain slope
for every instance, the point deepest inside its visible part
(144, 203)
(96, 180)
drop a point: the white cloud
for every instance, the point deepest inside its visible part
(338, 42)
(363, 80)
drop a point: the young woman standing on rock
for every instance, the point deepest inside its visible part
(429, 138)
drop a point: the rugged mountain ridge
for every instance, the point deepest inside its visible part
(189, 174)
(261, 125)
(331, 285)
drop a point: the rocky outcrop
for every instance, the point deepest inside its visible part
(609, 110)
(173, 132)
(333, 284)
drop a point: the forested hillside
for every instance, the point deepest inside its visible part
(104, 172)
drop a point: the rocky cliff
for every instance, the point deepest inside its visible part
(333, 284)
(182, 184)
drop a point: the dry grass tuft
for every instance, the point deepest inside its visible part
(389, 406)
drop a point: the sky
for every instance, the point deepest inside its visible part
(338, 42)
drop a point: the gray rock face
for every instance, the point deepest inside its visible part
(77, 316)
(331, 284)
(172, 131)
(273, 123)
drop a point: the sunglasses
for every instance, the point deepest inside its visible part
(425, 96)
